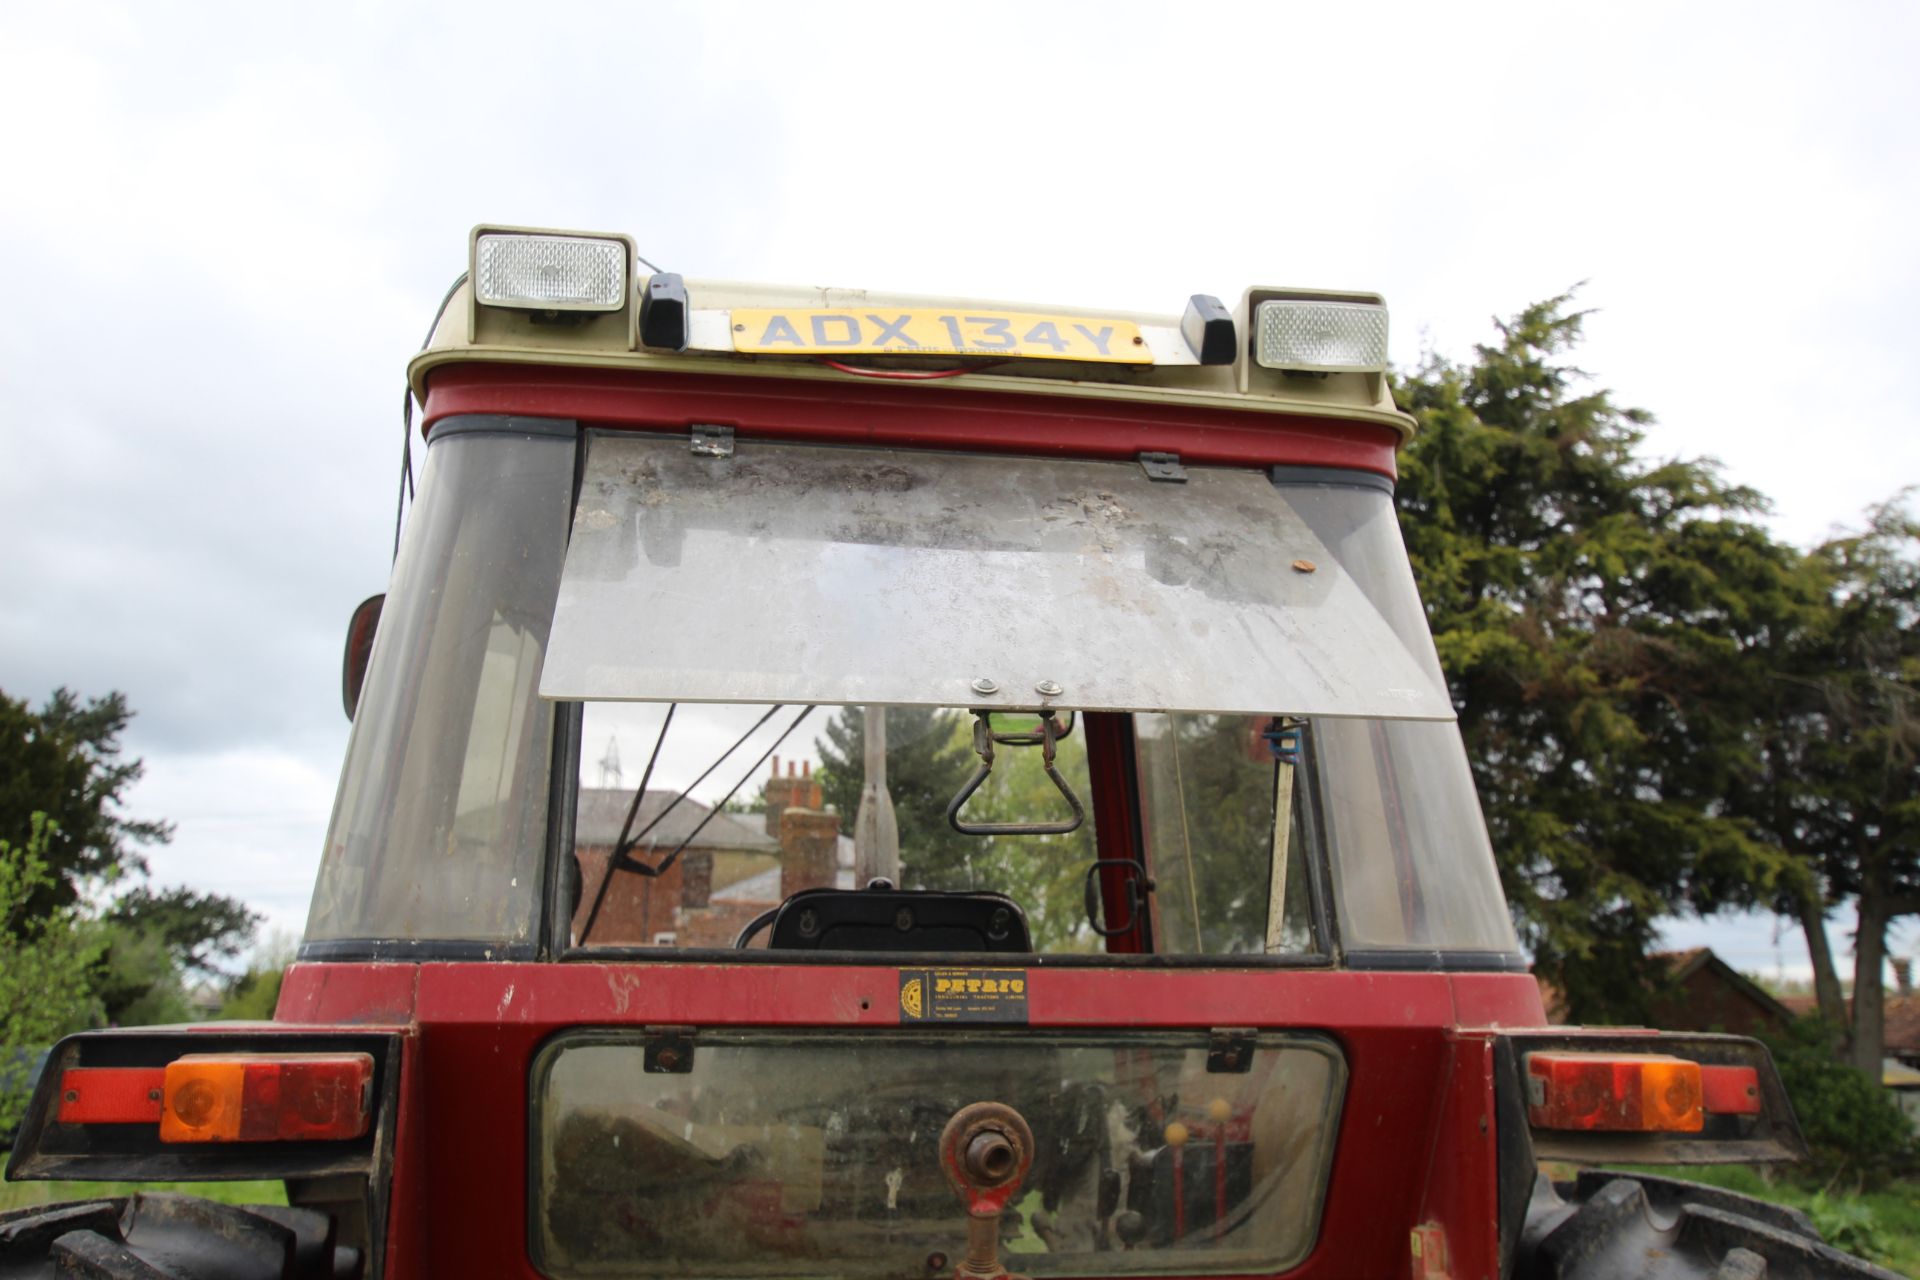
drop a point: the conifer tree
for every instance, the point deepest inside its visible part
(1595, 614)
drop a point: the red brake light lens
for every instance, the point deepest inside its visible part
(1644, 1093)
(259, 1098)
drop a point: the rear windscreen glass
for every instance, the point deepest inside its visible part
(815, 1155)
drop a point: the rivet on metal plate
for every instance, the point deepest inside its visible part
(1049, 689)
(985, 686)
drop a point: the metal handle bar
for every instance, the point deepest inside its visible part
(1050, 732)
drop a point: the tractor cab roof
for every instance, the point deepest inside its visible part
(583, 301)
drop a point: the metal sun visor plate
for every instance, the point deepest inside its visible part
(813, 574)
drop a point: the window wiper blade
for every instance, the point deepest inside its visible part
(620, 859)
(625, 845)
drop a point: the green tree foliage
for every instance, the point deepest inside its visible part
(1594, 614)
(136, 979)
(1841, 787)
(197, 929)
(253, 996)
(1854, 1128)
(929, 758)
(1046, 875)
(46, 960)
(64, 761)
(927, 761)
(1207, 784)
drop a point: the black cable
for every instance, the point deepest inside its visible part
(726, 799)
(646, 776)
(406, 420)
(618, 859)
(621, 863)
(625, 847)
(606, 881)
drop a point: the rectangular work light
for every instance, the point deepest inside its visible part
(550, 272)
(1311, 335)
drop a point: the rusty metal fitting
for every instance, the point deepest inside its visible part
(986, 1147)
(986, 1151)
(990, 1158)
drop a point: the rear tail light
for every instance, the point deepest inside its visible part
(1640, 1093)
(229, 1097)
(254, 1098)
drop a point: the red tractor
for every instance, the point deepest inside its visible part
(1139, 918)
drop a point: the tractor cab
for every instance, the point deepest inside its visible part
(851, 784)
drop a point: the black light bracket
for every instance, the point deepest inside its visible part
(664, 318)
(1207, 326)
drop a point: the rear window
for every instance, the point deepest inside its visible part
(814, 1155)
(744, 807)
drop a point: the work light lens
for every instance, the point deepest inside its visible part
(1322, 337)
(550, 273)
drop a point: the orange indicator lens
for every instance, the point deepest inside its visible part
(1646, 1093)
(256, 1098)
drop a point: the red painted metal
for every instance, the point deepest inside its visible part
(1416, 1084)
(1496, 1002)
(1730, 1091)
(349, 994)
(111, 1095)
(1116, 825)
(916, 416)
(1459, 1215)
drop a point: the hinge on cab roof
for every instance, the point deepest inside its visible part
(711, 441)
(667, 1050)
(1163, 466)
(1230, 1050)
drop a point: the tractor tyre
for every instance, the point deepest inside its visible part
(162, 1236)
(1630, 1226)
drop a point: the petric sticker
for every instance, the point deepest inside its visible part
(963, 995)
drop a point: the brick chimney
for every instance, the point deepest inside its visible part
(797, 790)
(809, 838)
(1903, 974)
(784, 793)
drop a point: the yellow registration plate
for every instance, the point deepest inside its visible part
(928, 331)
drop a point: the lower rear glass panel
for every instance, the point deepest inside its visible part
(815, 1154)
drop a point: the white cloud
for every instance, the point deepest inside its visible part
(224, 228)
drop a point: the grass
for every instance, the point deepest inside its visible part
(1883, 1225)
(20, 1195)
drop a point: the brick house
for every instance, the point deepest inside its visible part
(1703, 993)
(1708, 994)
(736, 866)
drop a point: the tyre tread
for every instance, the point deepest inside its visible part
(169, 1236)
(1617, 1226)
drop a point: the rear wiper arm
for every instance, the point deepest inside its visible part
(621, 860)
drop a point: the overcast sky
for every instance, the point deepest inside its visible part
(223, 228)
